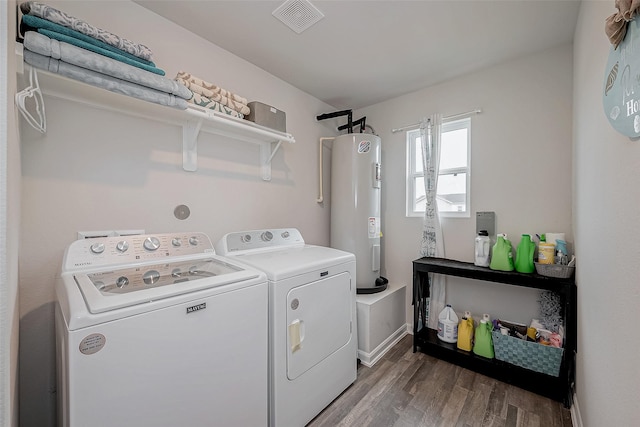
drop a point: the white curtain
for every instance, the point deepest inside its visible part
(432, 242)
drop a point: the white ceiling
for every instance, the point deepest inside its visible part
(364, 52)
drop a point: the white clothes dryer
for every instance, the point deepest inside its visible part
(312, 319)
(157, 330)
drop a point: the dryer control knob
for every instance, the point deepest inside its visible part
(246, 238)
(97, 248)
(151, 243)
(193, 241)
(122, 282)
(176, 242)
(267, 236)
(151, 277)
(285, 235)
(122, 246)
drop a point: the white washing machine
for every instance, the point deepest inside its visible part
(312, 319)
(160, 331)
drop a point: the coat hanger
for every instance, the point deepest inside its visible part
(32, 95)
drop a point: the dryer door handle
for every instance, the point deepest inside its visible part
(296, 335)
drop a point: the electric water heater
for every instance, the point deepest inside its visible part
(355, 205)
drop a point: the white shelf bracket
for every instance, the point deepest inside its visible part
(190, 131)
(266, 155)
(275, 150)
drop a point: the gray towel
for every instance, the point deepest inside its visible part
(43, 45)
(103, 81)
(59, 17)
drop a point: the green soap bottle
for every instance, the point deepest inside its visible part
(483, 341)
(524, 255)
(502, 258)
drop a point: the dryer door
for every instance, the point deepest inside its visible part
(319, 322)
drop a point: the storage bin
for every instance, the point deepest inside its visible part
(558, 271)
(526, 354)
(266, 115)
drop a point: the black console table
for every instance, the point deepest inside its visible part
(557, 388)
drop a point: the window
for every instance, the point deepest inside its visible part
(454, 178)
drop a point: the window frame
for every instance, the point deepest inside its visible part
(412, 174)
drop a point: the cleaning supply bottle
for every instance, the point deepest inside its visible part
(482, 248)
(502, 258)
(561, 252)
(483, 345)
(448, 325)
(524, 255)
(465, 332)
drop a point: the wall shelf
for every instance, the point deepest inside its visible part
(193, 120)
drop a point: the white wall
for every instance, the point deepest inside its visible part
(520, 168)
(129, 176)
(97, 170)
(608, 271)
(9, 222)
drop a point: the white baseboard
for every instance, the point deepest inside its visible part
(576, 418)
(369, 359)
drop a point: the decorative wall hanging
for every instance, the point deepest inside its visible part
(621, 89)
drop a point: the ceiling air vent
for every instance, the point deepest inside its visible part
(298, 14)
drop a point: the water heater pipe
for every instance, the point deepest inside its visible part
(320, 198)
(361, 122)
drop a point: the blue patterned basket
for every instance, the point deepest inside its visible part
(526, 354)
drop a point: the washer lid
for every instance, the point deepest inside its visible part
(283, 263)
(117, 288)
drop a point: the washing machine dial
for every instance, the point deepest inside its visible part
(193, 241)
(122, 281)
(122, 246)
(246, 238)
(267, 236)
(176, 242)
(97, 248)
(285, 234)
(151, 243)
(151, 277)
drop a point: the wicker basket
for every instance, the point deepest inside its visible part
(526, 354)
(555, 270)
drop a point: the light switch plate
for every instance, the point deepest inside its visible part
(486, 221)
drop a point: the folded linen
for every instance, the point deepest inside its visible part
(203, 101)
(54, 15)
(210, 86)
(104, 81)
(217, 97)
(32, 23)
(77, 56)
(97, 50)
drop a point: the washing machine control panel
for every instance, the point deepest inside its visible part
(258, 239)
(118, 250)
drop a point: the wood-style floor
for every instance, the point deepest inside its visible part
(406, 389)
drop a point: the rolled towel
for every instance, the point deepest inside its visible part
(210, 86)
(217, 97)
(203, 101)
(54, 15)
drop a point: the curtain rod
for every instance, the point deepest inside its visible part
(454, 116)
